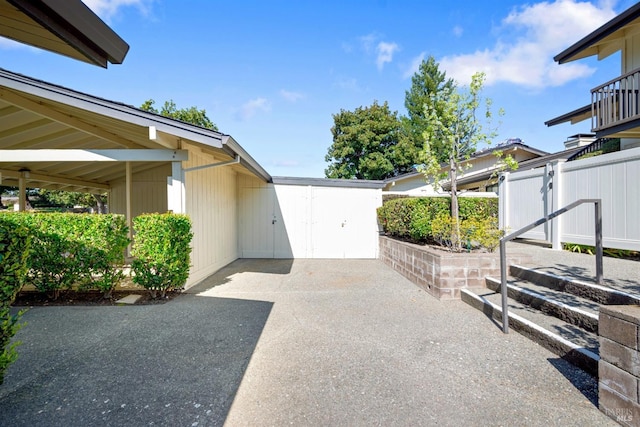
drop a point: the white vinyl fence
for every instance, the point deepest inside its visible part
(614, 178)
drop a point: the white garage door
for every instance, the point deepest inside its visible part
(304, 221)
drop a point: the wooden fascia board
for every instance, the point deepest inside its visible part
(74, 155)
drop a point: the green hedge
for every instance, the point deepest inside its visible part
(412, 218)
(162, 251)
(15, 243)
(73, 250)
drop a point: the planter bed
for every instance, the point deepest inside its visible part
(441, 273)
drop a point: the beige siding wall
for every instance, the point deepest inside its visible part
(212, 204)
(149, 191)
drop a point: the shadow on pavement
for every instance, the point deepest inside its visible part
(173, 364)
(242, 265)
(585, 383)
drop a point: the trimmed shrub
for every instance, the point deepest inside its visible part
(74, 250)
(162, 251)
(428, 220)
(14, 251)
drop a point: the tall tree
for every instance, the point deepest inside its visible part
(426, 84)
(364, 144)
(454, 128)
(189, 115)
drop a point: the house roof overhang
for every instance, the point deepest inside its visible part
(90, 138)
(575, 116)
(66, 27)
(605, 40)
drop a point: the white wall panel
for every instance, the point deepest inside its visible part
(614, 178)
(302, 221)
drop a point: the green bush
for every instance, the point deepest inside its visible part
(74, 250)
(428, 220)
(162, 251)
(15, 245)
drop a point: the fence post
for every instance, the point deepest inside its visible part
(556, 203)
(503, 200)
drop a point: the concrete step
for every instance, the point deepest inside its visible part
(599, 294)
(570, 308)
(568, 341)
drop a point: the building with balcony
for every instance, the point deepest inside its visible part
(615, 105)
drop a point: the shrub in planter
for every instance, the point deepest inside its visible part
(14, 251)
(162, 251)
(427, 219)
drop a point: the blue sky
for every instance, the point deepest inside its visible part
(272, 73)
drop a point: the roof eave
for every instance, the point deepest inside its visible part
(73, 22)
(573, 51)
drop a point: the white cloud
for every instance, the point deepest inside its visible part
(291, 96)
(373, 45)
(107, 9)
(385, 53)
(530, 36)
(253, 106)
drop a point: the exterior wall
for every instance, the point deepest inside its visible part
(415, 184)
(613, 178)
(149, 191)
(304, 221)
(210, 202)
(212, 205)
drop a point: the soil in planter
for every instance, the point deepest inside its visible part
(88, 298)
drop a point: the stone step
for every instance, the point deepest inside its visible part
(568, 341)
(570, 308)
(599, 294)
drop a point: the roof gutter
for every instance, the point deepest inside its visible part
(230, 146)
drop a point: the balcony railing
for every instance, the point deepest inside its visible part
(616, 102)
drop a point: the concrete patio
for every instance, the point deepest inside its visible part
(304, 342)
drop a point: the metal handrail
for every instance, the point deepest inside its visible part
(503, 250)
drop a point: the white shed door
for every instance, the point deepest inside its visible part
(263, 226)
(340, 227)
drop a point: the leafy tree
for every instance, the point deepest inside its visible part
(365, 144)
(426, 84)
(189, 115)
(453, 127)
(69, 199)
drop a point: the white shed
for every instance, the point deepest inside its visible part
(58, 138)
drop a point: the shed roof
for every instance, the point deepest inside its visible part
(66, 27)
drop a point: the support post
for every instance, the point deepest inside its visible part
(556, 194)
(598, 218)
(22, 192)
(503, 285)
(503, 200)
(128, 191)
(175, 189)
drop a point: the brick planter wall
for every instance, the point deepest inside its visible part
(442, 273)
(619, 365)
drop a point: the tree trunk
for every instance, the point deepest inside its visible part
(455, 232)
(100, 206)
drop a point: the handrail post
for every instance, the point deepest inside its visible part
(505, 239)
(598, 213)
(503, 285)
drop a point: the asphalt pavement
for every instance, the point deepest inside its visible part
(275, 342)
